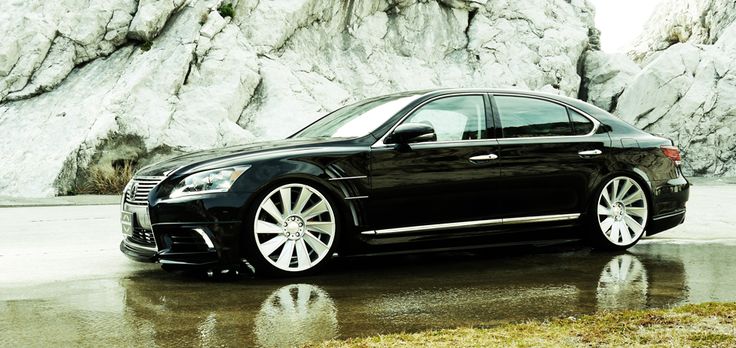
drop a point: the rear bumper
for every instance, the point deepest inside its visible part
(665, 222)
(669, 200)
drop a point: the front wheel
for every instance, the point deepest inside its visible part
(621, 214)
(293, 231)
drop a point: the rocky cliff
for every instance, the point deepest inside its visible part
(686, 86)
(679, 21)
(88, 84)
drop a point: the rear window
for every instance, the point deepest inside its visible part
(529, 117)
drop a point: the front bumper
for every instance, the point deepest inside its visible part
(137, 252)
(196, 231)
(187, 244)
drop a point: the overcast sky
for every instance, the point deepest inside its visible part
(621, 21)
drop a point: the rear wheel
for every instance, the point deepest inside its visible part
(621, 214)
(293, 231)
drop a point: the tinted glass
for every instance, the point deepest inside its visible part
(528, 117)
(357, 120)
(454, 118)
(581, 125)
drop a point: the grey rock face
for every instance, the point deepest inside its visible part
(85, 83)
(326, 53)
(606, 76)
(43, 40)
(679, 21)
(688, 93)
(686, 89)
(151, 17)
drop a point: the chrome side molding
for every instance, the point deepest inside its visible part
(348, 178)
(477, 223)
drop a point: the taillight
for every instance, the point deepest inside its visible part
(672, 152)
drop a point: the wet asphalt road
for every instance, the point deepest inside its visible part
(63, 282)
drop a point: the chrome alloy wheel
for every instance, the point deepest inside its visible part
(294, 227)
(622, 211)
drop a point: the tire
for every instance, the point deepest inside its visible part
(291, 239)
(619, 214)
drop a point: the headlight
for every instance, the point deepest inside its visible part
(218, 180)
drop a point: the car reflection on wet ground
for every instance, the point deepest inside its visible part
(365, 296)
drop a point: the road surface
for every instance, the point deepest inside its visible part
(64, 282)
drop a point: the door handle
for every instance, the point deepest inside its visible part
(483, 158)
(588, 153)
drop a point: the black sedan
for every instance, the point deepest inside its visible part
(416, 171)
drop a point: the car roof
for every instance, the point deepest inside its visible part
(513, 91)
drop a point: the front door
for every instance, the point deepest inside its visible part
(451, 179)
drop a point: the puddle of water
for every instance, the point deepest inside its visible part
(365, 296)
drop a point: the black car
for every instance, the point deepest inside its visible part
(427, 170)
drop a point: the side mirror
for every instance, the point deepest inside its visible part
(412, 133)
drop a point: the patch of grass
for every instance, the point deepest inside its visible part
(108, 179)
(226, 10)
(146, 45)
(699, 325)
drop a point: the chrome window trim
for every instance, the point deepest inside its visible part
(380, 143)
(490, 141)
(477, 223)
(596, 123)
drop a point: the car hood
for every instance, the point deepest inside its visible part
(194, 159)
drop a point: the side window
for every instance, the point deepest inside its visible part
(529, 117)
(581, 125)
(454, 118)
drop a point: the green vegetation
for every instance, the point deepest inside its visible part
(700, 325)
(107, 179)
(226, 10)
(146, 45)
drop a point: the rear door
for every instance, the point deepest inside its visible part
(549, 154)
(443, 181)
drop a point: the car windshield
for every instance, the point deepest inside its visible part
(357, 120)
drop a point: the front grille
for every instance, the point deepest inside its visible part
(143, 237)
(139, 188)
